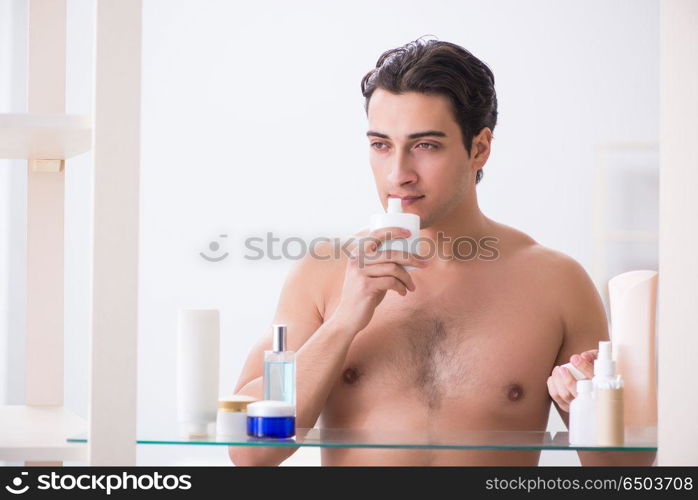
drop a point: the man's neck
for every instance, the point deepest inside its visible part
(465, 221)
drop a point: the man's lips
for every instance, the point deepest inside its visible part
(408, 200)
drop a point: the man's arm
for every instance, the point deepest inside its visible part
(320, 351)
(585, 324)
(322, 344)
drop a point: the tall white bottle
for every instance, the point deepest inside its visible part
(583, 416)
(395, 217)
(633, 304)
(197, 370)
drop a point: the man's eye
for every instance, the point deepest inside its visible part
(377, 145)
(428, 145)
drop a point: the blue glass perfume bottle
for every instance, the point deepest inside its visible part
(280, 369)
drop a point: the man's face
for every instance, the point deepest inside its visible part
(417, 153)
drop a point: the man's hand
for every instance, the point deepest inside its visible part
(562, 386)
(370, 274)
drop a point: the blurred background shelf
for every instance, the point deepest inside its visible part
(44, 136)
(38, 434)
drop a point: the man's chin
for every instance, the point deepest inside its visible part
(425, 222)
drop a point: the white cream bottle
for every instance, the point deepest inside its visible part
(395, 217)
(583, 416)
(232, 416)
(197, 370)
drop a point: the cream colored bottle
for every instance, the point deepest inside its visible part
(610, 427)
(633, 302)
(608, 398)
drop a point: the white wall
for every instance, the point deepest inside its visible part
(253, 122)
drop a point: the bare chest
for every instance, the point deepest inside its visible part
(483, 350)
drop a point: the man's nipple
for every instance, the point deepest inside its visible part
(350, 375)
(515, 392)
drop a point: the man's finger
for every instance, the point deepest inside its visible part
(388, 233)
(552, 389)
(370, 244)
(590, 355)
(569, 381)
(583, 365)
(394, 270)
(564, 396)
(397, 256)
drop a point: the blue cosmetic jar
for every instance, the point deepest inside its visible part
(271, 419)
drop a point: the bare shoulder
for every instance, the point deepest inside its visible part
(526, 251)
(318, 264)
(565, 278)
(557, 265)
(319, 272)
(557, 270)
(331, 253)
(564, 281)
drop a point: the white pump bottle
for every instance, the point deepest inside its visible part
(395, 217)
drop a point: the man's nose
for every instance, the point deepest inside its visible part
(401, 170)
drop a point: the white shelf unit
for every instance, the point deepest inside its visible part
(36, 433)
(44, 136)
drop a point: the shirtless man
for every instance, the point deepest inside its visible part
(456, 344)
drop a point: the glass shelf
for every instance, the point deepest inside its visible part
(636, 439)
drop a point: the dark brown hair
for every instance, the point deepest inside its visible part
(439, 68)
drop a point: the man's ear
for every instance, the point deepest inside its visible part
(480, 149)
